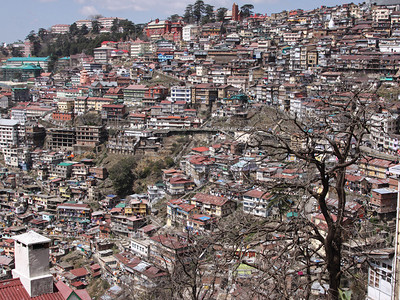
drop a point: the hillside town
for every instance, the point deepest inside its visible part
(202, 159)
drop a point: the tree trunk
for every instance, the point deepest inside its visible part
(333, 247)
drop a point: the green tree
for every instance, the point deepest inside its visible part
(246, 10)
(16, 52)
(209, 15)
(188, 15)
(122, 176)
(42, 33)
(221, 14)
(36, 46)
(73, 29)
(4, 51)
(198, 10)
(115, 26)
(174, 18)
(52, 62)
(84, 30)
(95, 27)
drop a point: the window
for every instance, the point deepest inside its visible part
(371, 278)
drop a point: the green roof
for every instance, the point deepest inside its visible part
(292, 214)
(23, 67)
(66, 164)
(29, 59)
(122, 205)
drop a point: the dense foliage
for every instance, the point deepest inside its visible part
(81, 40)
(122, 176)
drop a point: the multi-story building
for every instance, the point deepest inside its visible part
(84, 104)
(140, 247)
(42, 62)
(164, 28)
(140, 48)
(17, 157)
(181, 93)
(381, 13)
(178, 185)
(179, 212)
(375, 167)
(204, 94)
(65, 105)
(62, 170)
(165, 250)
(134, 94)
(384, 201)
(90, 136)
(102, 54)
(126, 226)
(61, 138)
(87, 23)
(9, 132)
(34, 135)
(113, 111)
(60, 28)
(257, 203)
(384, 127)
(80, 105)
(29, 112)
(213, 206)
(190, 32)
(381, 274)
(74, 213)
(108, 22)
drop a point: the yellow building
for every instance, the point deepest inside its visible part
(66, 105)
(214, 206)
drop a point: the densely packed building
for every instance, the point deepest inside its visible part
(55, 126)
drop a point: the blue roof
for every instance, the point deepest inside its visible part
(204, 218)
(30, 59)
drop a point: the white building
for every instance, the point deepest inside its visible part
(108, 22)
(256, 202)
(384, 127)
(60, 28)
(80, 24)
(140, 247)
(140, 48)
(189, 32)
(17, 157)
(32, 263)
(380, 279)
(181, 93)
(8, 133)
(102, 54)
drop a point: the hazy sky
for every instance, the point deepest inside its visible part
(19, 17)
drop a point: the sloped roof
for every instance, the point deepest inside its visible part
(12, 289)
(79, 272)
(210, 199)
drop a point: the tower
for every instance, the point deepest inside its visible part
(235, 12)
(84, 80)
(32, 263)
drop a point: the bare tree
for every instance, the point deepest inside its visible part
(295, 255)
(328, 141)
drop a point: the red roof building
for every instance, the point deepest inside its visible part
(13, 289)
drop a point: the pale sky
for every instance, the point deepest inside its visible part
(19, 17)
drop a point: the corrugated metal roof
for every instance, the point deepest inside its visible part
(13, 289)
